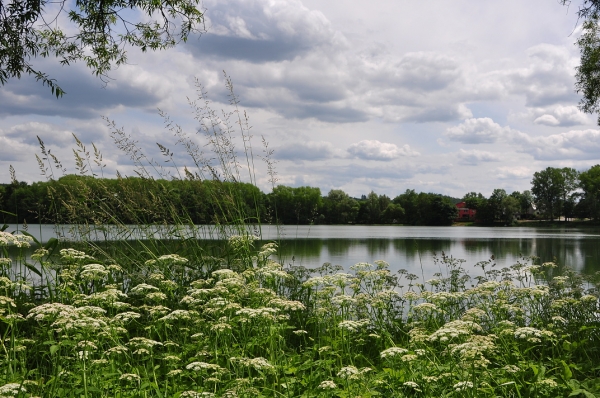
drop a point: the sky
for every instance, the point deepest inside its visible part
(384, 96)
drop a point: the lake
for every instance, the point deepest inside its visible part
(403, 247)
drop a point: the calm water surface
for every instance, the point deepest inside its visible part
(404, 247)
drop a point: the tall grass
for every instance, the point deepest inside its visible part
(133, 318)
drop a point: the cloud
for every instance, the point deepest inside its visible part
(574, 144)
(563, 116)
(85, 97)
(476, 131)
(310, 150)
(474, 157)
(547, 80)
(375, 150)
(259, 31)
(510, 173)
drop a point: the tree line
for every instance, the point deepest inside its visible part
(555, 192)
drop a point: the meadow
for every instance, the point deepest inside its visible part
(84, 319)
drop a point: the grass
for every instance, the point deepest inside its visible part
(131, 319)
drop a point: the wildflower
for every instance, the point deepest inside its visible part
(548, 383)
(353, 326)
(11, 390)
(392, 352)
(348, 372)
(174, 372)
(7, 301)
(412, 385)
(116, 350)
(425, 307)
(143, 288)
(462, 385)
(143, 342)
(203, 366)
(93, 272)
(290, 305)
(454, 329)
(125, 317)
(532, 335)
(130, 377)
(156, 296)
(511, 369)
(327, 385)
(194, 394)
(72, 254)
(408, 357)
(177, 315)
(5, 262)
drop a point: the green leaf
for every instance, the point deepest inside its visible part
(33, 269)
(567, 373)
(53, 349)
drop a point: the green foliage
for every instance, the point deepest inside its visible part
(552, 188)
(590, 184)
(101, 31)
(339, 207)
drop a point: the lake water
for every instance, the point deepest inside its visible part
(403, 247)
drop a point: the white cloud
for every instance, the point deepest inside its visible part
(310, 150)
(375, 150)
(517, 172)
(476, 131)
(574, 144)
(563, 116)
(475, 156)
(547, 80)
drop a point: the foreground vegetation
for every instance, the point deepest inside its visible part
(79, 324)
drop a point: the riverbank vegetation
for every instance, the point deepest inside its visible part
(83, 324)
(73, 199)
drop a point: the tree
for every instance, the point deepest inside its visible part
(587, 77)
(102, 29)
(589, 181)
(546, 189)
(495, 202)
(510, 208)
(339, 208)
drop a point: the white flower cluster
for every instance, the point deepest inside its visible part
(130, 377)
(393, 352)
(72, 254)
(353, 326)
(258, 363)
(454, 329)
(258, 313)
(93, 272)
(532, 335)
(204, 366)
(17, 240)
(327, 385)
(5, 262)
(168, 259)
(12, 390)
(412, 385)
(462, 385)
(143, 289)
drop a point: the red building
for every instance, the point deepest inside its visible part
(464, 213)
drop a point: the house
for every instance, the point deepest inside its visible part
(464, 213)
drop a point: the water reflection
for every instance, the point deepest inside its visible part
(411, 248)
